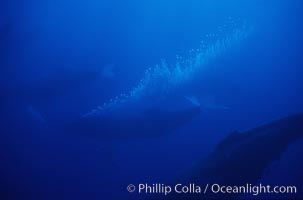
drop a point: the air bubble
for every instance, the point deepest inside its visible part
(161, 79)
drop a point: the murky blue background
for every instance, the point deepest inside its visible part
(61, 58)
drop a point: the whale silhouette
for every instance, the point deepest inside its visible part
(147, 124)
(242, 157)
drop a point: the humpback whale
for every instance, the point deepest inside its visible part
(109, 121)
(164, 79)
(147, 124)
(243, 157)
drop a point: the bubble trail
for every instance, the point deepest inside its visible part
(163, 78)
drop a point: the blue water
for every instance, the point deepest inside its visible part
(61, 60)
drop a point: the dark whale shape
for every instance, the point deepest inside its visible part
(147, 124)
(242, 157)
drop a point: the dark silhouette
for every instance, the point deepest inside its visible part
(241, 158)
(151, 123)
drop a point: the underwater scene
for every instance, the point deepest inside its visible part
(154, 99)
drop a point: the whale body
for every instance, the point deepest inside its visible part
(147, 124)
(243, 157)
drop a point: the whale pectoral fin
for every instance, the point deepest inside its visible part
(193, 100)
